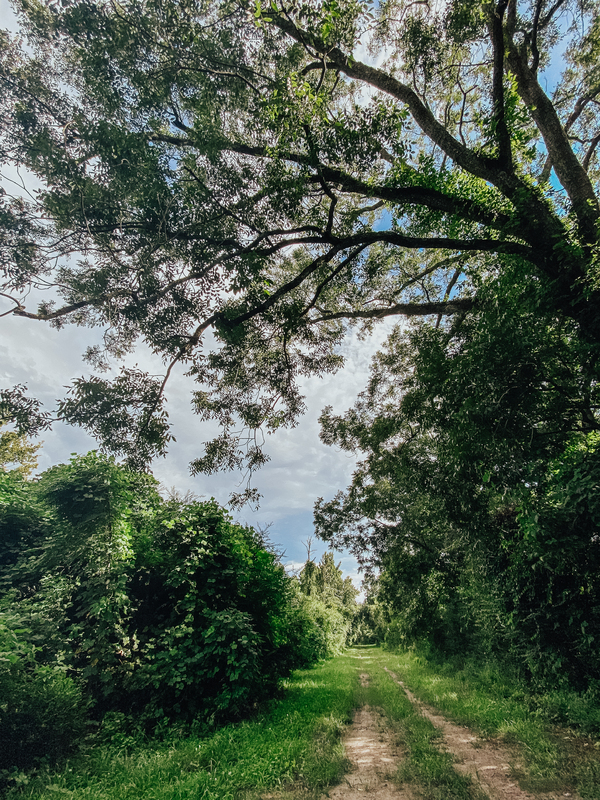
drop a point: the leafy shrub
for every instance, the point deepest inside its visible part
(23, 522)
(42, 711)
(307, 637)
(316, 631)
(331, 622)
(206, 631)
(162, 608)
(395, 636)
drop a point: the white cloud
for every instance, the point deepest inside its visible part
(8, 19)
(293, 567)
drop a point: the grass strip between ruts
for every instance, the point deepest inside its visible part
(429, 770)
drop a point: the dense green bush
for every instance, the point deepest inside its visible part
(23, 525)
(156, 609)
(333, 625)
(206, 629)
(42, 710)
(308, 637)
(168, 608)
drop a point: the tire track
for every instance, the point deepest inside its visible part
(374, 756)
(488, 764)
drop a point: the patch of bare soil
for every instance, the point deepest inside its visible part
(487, 763)
(374, 758)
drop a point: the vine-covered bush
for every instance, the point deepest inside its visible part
(152, 608)
(207, 616)
(42, 711)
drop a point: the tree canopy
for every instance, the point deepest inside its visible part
(17, 453)
(234, 185)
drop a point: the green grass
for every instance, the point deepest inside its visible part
(293, 749)
(295, 746)
(429, 770)
(496, 705)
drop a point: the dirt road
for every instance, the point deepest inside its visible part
(375, 756)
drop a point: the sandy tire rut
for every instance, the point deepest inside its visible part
(375, 757)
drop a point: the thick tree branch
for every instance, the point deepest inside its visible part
(501, 128)
(569, 171)
(486, 168)
(417, 195)
(440, 243)
(547, 19)
(12, 311)
(292, 236)
(588, 156)
(534, 34)
(403, 309)
(580, 105)
(61, 312)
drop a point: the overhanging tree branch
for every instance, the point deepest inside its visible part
(417, 195)
(449, 307)
(569, 171)
(482, 167)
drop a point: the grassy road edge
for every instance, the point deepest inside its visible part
(554, 757)
(292, 748)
